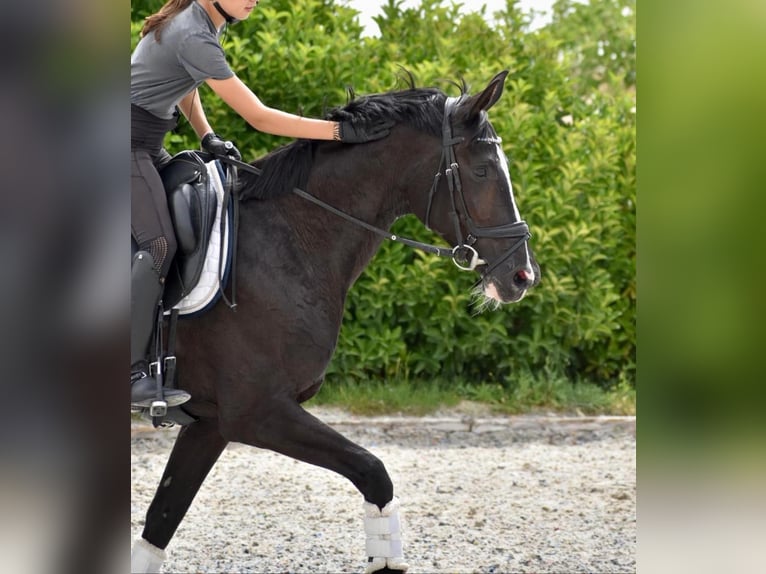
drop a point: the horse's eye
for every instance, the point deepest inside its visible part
(480, 171)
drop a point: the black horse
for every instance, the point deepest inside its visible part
(248, 372)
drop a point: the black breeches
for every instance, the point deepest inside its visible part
(149, 217)
(150, 221)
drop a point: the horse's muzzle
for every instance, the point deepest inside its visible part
(509, 287)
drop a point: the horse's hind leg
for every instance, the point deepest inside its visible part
(285, 427)
(196, 450)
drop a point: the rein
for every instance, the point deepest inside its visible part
(434, 249)
(463, 255)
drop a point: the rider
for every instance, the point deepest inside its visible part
(178, 51)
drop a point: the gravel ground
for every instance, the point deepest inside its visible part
(478, 494)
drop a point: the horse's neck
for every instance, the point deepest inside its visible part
(375, 189)
(379, 184)
(349, 246)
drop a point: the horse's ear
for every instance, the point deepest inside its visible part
(487, 98)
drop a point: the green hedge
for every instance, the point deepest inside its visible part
(567, 119)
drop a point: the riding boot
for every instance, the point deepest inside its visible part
(145, 293)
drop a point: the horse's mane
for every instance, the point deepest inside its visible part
(289, 166)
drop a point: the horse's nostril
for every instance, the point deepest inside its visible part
(522, 278)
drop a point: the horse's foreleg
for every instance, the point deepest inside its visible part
(288, 429)
(285, 427)
(196, 450)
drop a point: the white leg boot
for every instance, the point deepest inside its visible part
(146, 558)
(382, 529)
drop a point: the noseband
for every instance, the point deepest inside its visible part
(464, 255)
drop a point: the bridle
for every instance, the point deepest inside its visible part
(464, 255)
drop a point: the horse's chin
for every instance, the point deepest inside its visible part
(511, 295)
(487, 295)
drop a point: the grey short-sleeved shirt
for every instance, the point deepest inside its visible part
(189, 53)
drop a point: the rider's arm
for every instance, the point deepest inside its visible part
(191, 107)
(265, 119)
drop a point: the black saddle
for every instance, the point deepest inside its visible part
(192, 202)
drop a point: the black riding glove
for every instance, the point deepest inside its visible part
(212, 143)
(348, 132)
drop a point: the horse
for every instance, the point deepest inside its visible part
(248, 372)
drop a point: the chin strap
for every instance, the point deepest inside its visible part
(229, 19)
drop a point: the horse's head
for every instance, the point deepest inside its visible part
(471, 203)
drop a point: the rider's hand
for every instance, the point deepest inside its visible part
(212, 143)
(348, 132)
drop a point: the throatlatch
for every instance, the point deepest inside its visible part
(382, 529)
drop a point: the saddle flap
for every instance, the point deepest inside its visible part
(184, 206)
(192, 204)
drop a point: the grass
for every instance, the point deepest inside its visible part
(528, 393)
(377, 397)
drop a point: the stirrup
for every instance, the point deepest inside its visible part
(146, 398)
(159, 407)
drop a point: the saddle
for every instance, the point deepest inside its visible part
(194, 185)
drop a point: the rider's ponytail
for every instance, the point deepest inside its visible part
(156, 22)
